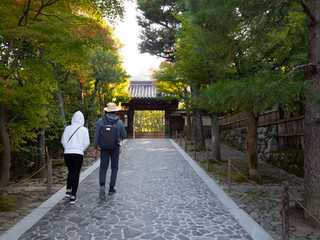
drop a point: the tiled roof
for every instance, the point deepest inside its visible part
(142, 89)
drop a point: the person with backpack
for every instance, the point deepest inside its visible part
(75, 140)
(109, 129)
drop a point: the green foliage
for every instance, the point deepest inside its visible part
(159, 24)
(110, 81)
(169, 83)
(29, 109)
(149, 121)
(248, 53)
(43, 46)
(111, 9)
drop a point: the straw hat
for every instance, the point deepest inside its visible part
(111, 107)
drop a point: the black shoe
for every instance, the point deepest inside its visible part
(73, 200)
(68, 194)
(112, 191)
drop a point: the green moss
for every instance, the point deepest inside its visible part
(254, 194)
(213, 169)
(6, 204)
(291, 161)
(40, 175)
(58, 165)
(258, 181)
(211, 160)
(239, 177)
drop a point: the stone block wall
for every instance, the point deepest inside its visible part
(269, 148)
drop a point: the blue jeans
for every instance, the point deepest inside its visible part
(105, 157)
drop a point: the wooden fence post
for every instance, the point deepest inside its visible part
(186, 144)
(229, 174)
(285, 211)
(195, 151)
(49, 173)
(207, 159)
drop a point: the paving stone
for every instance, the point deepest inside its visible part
(159, 196)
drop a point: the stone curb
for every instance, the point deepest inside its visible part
(28, 221)
(251, 226)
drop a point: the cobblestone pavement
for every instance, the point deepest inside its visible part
(159, 196)
(261, 201)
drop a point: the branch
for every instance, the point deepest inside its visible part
(16, 59)
(50, 2)
(298, 67)
(6, 57)
(307, 10)
(14, 118)
(49, 15)
(26, 13)
(293, 70)
(18, 78)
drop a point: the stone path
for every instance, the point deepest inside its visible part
(161, 194)
(263, 202)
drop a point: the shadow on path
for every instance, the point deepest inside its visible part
(161, 194)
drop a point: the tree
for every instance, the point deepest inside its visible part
(246, 55)
(170, 83)
(149, 121)
(159, 24)
(33, 34)
(110, 79)
(191, 70)
(312, 129)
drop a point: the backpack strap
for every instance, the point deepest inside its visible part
(105, 120)
(73, 133)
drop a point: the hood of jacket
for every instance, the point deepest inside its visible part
(111, 118)
(77, 119)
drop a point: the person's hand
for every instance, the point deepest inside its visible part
(96, 153)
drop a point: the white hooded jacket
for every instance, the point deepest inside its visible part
(80, 141)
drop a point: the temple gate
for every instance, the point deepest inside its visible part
(144, 97)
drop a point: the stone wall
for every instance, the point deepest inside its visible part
(269, 148)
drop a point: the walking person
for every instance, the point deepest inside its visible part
(109, 153)
(75, 140)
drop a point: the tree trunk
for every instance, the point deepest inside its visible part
(215, 138)
(101, 105)
(199, 138)
(42, 157)
(61, 108)
(188, 131)
(189, 123)
(5, 153)
(252, 144)
(312, 118)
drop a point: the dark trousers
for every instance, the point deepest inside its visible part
(74, 163)
(105, 157)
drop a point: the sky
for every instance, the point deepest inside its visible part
(138, 65)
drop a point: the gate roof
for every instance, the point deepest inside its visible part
(143, 90)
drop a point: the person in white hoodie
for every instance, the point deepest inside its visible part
(75, 140)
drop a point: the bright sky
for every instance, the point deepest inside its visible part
(139, 66)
